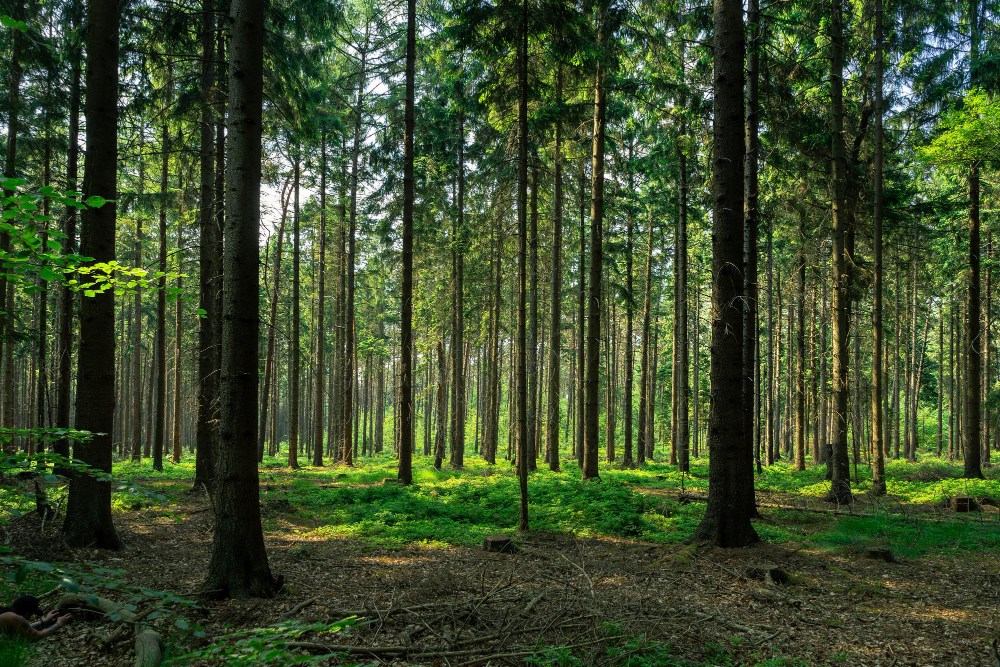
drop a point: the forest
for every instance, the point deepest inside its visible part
(500, 332)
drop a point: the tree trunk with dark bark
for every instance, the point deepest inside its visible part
(88, 511)
(726, 522)
(238, 565)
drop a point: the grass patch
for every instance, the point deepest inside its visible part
(15, 651)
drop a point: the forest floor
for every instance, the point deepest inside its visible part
(603, 578)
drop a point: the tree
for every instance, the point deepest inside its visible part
(591, 408)
(555, 314)
(878, 446)
(88, 510)
(522, 275)
(726, 522)
(296, 352)
(840, 487)
(238, 566)
(406, 305)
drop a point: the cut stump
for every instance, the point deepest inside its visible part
(964, 504)
(499, 544)
(878, 553)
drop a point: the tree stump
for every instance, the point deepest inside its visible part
(879, 553)
(390, 481)
(964, 504)
(499, 544)
(770, 573)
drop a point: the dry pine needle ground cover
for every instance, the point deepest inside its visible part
(807, 596)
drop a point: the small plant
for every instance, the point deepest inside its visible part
(271, 645)
(15, 651)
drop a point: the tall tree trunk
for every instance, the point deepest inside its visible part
(350, 372)
(406, 317)
(441, 401)
(555, 313)
(160, 344)
(629, 313)
(730, 503)
(238, 565)
(522, 230)
(320, 357)
(751, 215)
(88, 512)
(840, 489)
(64, 353)
(296, 356)
(800, 349)
(458, 312)
(581, 323)
(7, 419)
(175, 434)
(270, 358)
(644, 398)
(772, 409)
(591, 406)
(532, 344)
(681, 309)
(878, 462)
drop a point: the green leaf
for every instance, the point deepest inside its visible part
(95, 201)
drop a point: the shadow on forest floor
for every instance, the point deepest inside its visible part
(603, 579)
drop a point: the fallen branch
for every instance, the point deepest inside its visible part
(297, 608)
(148, 642)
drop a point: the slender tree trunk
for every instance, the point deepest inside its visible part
(730, 503)
(270, 358)
(840, 490)
(644, 397)
(878, 462)
(160, 345)
(800, 349)
(555, 324)
(681, 310)
(320, 311)
(350, 373)
(175, 435)
(522, 231)
(88, 512)
(751, 214)
(591, 445)
(295, 351)
(582, 324)
(10, 170)
(66, 298)
(238, 565)
(406, 309)
(458, 313)
(629, 311)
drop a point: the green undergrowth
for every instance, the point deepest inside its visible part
(460, 507)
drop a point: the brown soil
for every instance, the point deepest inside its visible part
(493, 609)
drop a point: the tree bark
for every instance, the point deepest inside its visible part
(406, 307)
(320, 357)
(591, 446)
(726, 522)
(160, 344)
(840, 488)
(64, 352)
(555, 324)
(88, 512)
(270, 358)
(295, 351)
(878, 461)
(238, 565)
(522, 229)
(350, 373)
